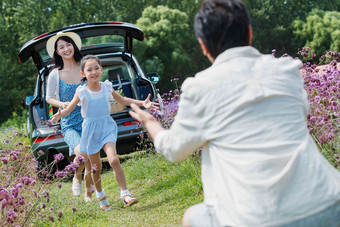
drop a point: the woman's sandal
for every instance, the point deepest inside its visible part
(76, 189)
(104, 204)
(129, 201)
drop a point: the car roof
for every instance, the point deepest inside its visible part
(84, 30)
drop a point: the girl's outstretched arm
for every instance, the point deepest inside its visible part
(65, 112)
(128, 101)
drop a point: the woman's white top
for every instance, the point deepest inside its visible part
(83, 98)
(260, 166)
(52, 88)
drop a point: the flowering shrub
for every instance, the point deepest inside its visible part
(23, 196)
(17, 184)
(165, 116)
(322, 84)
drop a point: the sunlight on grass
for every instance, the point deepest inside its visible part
(164, 190)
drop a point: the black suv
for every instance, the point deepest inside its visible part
(112, 43)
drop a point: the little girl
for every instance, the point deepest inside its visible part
(99, 129)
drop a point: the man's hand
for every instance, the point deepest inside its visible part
(146, 119)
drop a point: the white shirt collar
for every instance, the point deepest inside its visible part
(236, 52)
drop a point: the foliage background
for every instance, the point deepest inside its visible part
(170, 47)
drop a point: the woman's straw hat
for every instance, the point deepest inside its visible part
(51, 41)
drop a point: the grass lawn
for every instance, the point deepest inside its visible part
(164, 190)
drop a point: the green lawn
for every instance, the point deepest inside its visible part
(164, 190)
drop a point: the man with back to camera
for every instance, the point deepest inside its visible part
(260, 166)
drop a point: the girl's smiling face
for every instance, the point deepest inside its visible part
(65, 49)
(92, 70)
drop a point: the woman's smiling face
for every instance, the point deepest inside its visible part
(65, 49)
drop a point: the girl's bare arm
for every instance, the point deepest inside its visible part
(128, 101)
(65, 112)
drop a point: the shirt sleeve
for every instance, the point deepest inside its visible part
(52, 84)
(109, 88)
(81, 94)
(185, 135)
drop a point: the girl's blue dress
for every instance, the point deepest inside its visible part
(71, 125)
(98, 127)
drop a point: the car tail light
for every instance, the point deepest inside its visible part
(42, 139)
(131, 123)
(40, 36)
(114, 22)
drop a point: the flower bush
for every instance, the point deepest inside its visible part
(322, 84)
(23, 195)
(166, 116)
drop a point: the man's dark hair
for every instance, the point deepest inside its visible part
(222, 24)
(58, 61)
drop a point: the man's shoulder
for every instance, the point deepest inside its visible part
(198, 81)
(282, 63)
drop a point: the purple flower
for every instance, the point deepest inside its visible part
(80, 159)
(4, 160)
(3, 203)
(60, 174)
(40, 152)
(58, 157)
(60, 213)
(21, 201)
(72, 167)
(48, 123)
(11, 216)
(15, 192)
(15, 133)
(94, 168)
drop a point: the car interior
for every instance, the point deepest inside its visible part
(114, 70)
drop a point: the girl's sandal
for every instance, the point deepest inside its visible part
(88, 199)
(104, 204)
(129, 201)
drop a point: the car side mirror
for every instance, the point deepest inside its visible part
(29, 99)
(153, 77)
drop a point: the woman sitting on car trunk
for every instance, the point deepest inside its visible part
(63, 80)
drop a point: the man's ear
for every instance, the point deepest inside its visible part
(205, 50)
(250, 35)
(203, 47)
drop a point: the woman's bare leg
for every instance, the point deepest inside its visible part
(79, 172)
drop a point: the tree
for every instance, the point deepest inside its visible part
(272, 21)
(163, 50)
(24, 20)
(320, 31)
